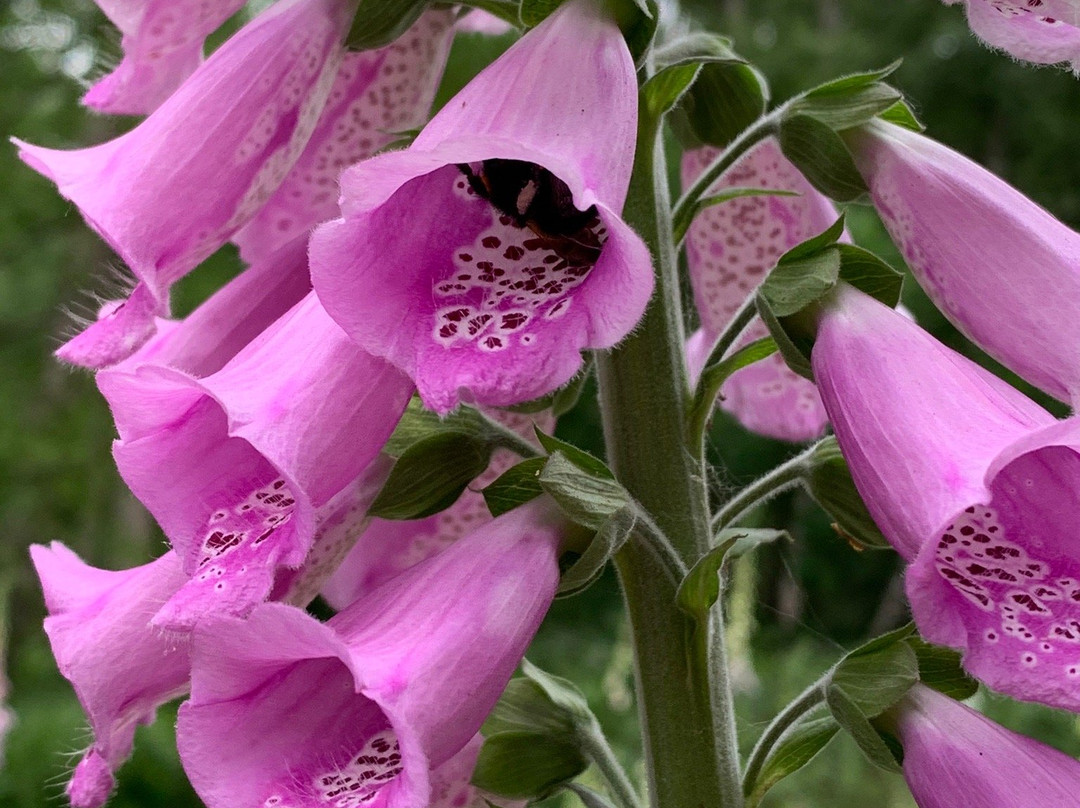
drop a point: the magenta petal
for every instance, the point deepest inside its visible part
(121, 668)
(163, 42)
(1030, 31)
(376, 96)
(286, 711)
(981, 250)
(171, 191)
(121, 329)
(954, 756)
(730, 248)
(476, 306)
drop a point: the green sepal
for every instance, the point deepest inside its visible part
(700, 589)
(534, 12)
(828, 480)
(638, 20)
(870, 274)
(902, 115)
(430, 475)
(796, 354)
(853, 82)
(418, 423)
(587, 498)
(713, 377)
(844, 110)
(527, 765)
(726, 98)
(678, 64)
(562, 400)
(515, 486)
(796, 747)
(665, 88)
(380, 22)
(579, 457)
(799, 281)
(940, 669)
(822, 156)
(609, 539)
(866, 683)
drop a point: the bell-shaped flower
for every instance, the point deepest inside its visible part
(253, 451)
(516, 258)
(999, 266)
(1041, 31)
(377, 96)
(285, 710)
(390, 546)
(955, 756)
(121, 669)
(730, 248)
(179, 185)
(977, 488)
(163, 44)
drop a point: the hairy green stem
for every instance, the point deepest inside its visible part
(787, 475)
(684, 695)
(788, 717)
(598, 750)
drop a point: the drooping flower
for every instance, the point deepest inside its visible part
(976, 486)
(516, 257)
(1000, 267)
(377, 96)
(730, 248)
(172, 190)
(390, 547)
(288, 711)
(163, 43)
(955, 756)
(122, 671)
(1040, 31)
(254, 451)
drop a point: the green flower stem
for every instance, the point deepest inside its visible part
(785, 476)
(685, 701)
(509, 439)
(687, 207)
(597, 749)
(788, 717)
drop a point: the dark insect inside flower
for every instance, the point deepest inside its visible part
(533, 197)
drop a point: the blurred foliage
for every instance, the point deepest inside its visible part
(792, 607)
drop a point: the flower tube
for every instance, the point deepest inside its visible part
(730, 248)
(175, 188)
(980, 249)
(516, 258)
(1044, 31)
(253, 452)
(288, 711)
(976, 486)
(163, 43)
(955, 756)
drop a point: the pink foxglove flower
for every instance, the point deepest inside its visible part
(954, 756)
(516, 258)
(980, 248)
(389, 547)
(288, 711)
(377, 96)
(977, 488)
(171, 191)
(163, 43)
(1039, 31)
(253, 452)
(122, 670)
(730, 248)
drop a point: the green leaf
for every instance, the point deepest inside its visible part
(816, 244)
(822, 156)
(858, 726)
(525, 707)
(380, 22)
(852, 82)
(844, 110)
(700, 589)
(797, 747)
(796, 354)
(873, 677)
(578, 457)
(611, 536)
(430, 475)
(713, 377)
(829, 482)
(902, 115)
(796, 283)
(725, 100)
(695, 48)
(562, 693)
(527, 765)
(515, 486)
(940, 669)
(665, 88)
(587, 498)
(869, 274)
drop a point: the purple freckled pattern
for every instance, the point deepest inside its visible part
(1032, 31)
(376, 96)
(505, 279)
(359, 781)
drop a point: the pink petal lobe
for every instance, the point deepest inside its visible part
(1028, 31)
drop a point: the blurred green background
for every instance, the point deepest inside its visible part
(794, 607)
